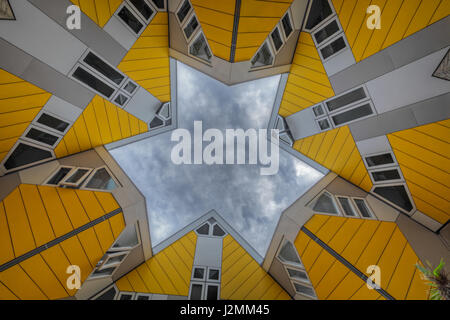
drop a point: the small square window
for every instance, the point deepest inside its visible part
(212, 292)
(184, 10)
(347, 206)
(58, 176)
(213, 274)
(318, 111)
(363, 208)
(199, 273)
(196, 291)
(130, 87)
(287, 25)
(324, 124)
(120, 99)
(276, 37)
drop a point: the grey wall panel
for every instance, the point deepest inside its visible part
(120, 33)
(303, 124)
(278, 272)
(12, 59)
(339, 62)
(8, 183)
(90, 33)
(208, 252)
(432, 110)
(143, 105)
(286, 53)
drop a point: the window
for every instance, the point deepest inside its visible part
(159, 3)
(59, 175)
(212, 292)
(204, 229)
(385, 175)
(346, 99)
(302, 289)
(76, 178)
(326, 32)
(156, 122)
(263, 57)
(213, 274)
(287, 25)
(126, 296)
(217, 231)
(397, 195)
(325, 204)
(347, 206)
(102, 67)
(319, 10)
(199, 273)
(25, 154)
(121, 99)
(93, 82)
(130, 87)
(200, 48)
(363, 208)
(52, 122)
(276, 38)
(297, 274)
(288, 254)
(333, 48)
(142, 297)
(41, 136)
(143, 8)
(353, 114)
(130, 20)
(102, 180)
(109, 294)
(191, 27)
(184, 10)
(324, 124)
(196, 291)
(103, 273)
(379, 160)
(318, 111)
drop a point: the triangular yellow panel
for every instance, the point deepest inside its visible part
(167, 272)
(100, 11)
(20, 102)
(243, 278)
(147, 62)
(100, 123)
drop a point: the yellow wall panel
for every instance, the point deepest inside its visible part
(89, 241)
(18, 282)
(76, 255)
(55, 210)
(418, 289)
(99, 11)
(117, 223)
(359, 242)
(7, 252)
(73, 206)
(104, 234)
(6, 294)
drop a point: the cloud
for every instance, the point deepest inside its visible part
(177, 195)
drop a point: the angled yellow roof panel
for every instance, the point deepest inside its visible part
(99, 11)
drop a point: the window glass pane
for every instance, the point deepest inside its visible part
(213, 274)
(346, 205)
(288, 253)
(200, 49)
(386, 175)
(125, 296)
(318, 111)
(352, 114)
(304, 289)
(196, 292)
(395, 194)
(346, 99)
(320, 9)
(297, 274)
(212, 292)
(107, 271)
(156, 122)
(333, 48)
(62, 172)
(130, 87)
(325, 204)
(143, 298)
(101, 180)
(143, 8)
(130, 20)
(199, 273)
(276, 37)
(204, 229)
(324, 124)
(41, 136)
(116, 259)
(53, 122)
(287, 26)
(120, 99)
(326, 32)
(263, 57)
(77, 176)
(159, 3)
(190, 28)
(108, 295)
(25, 154)
(361, 204)
(217, 231)
(104, 68)
(93, 82)
(379, 160)
(184, 10)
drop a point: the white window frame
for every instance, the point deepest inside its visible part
(194, 37)
(129, 7)
(122, 88)
(349, 106)
(213, 280)
(272, 52)
(203, 284)
(333, 14)
(283, 39)
(187, 15)
(55, 172)
(328, 42)
(326, 23)
(50, 129)
(205, 289)
(397, 168)
(306, 282)
(372, 214)
(82, 66)
(413, 209)
(24, 136)
(109, 255)
(78, 183)
(32, 144)
(316, 198)
(331, 124)
(343, 110)
(136, 11)
(289, 14)
(382, 166)
(84, 186)
(352, 205)
(211, 230)
(188, 19)
(122, 293)
(303, 284)
(100, 276)
(289, 263)
(324, 109)
(205, 269)
(158, 9)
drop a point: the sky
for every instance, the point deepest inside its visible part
(176, 195)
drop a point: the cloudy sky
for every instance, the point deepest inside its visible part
(178, 194)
